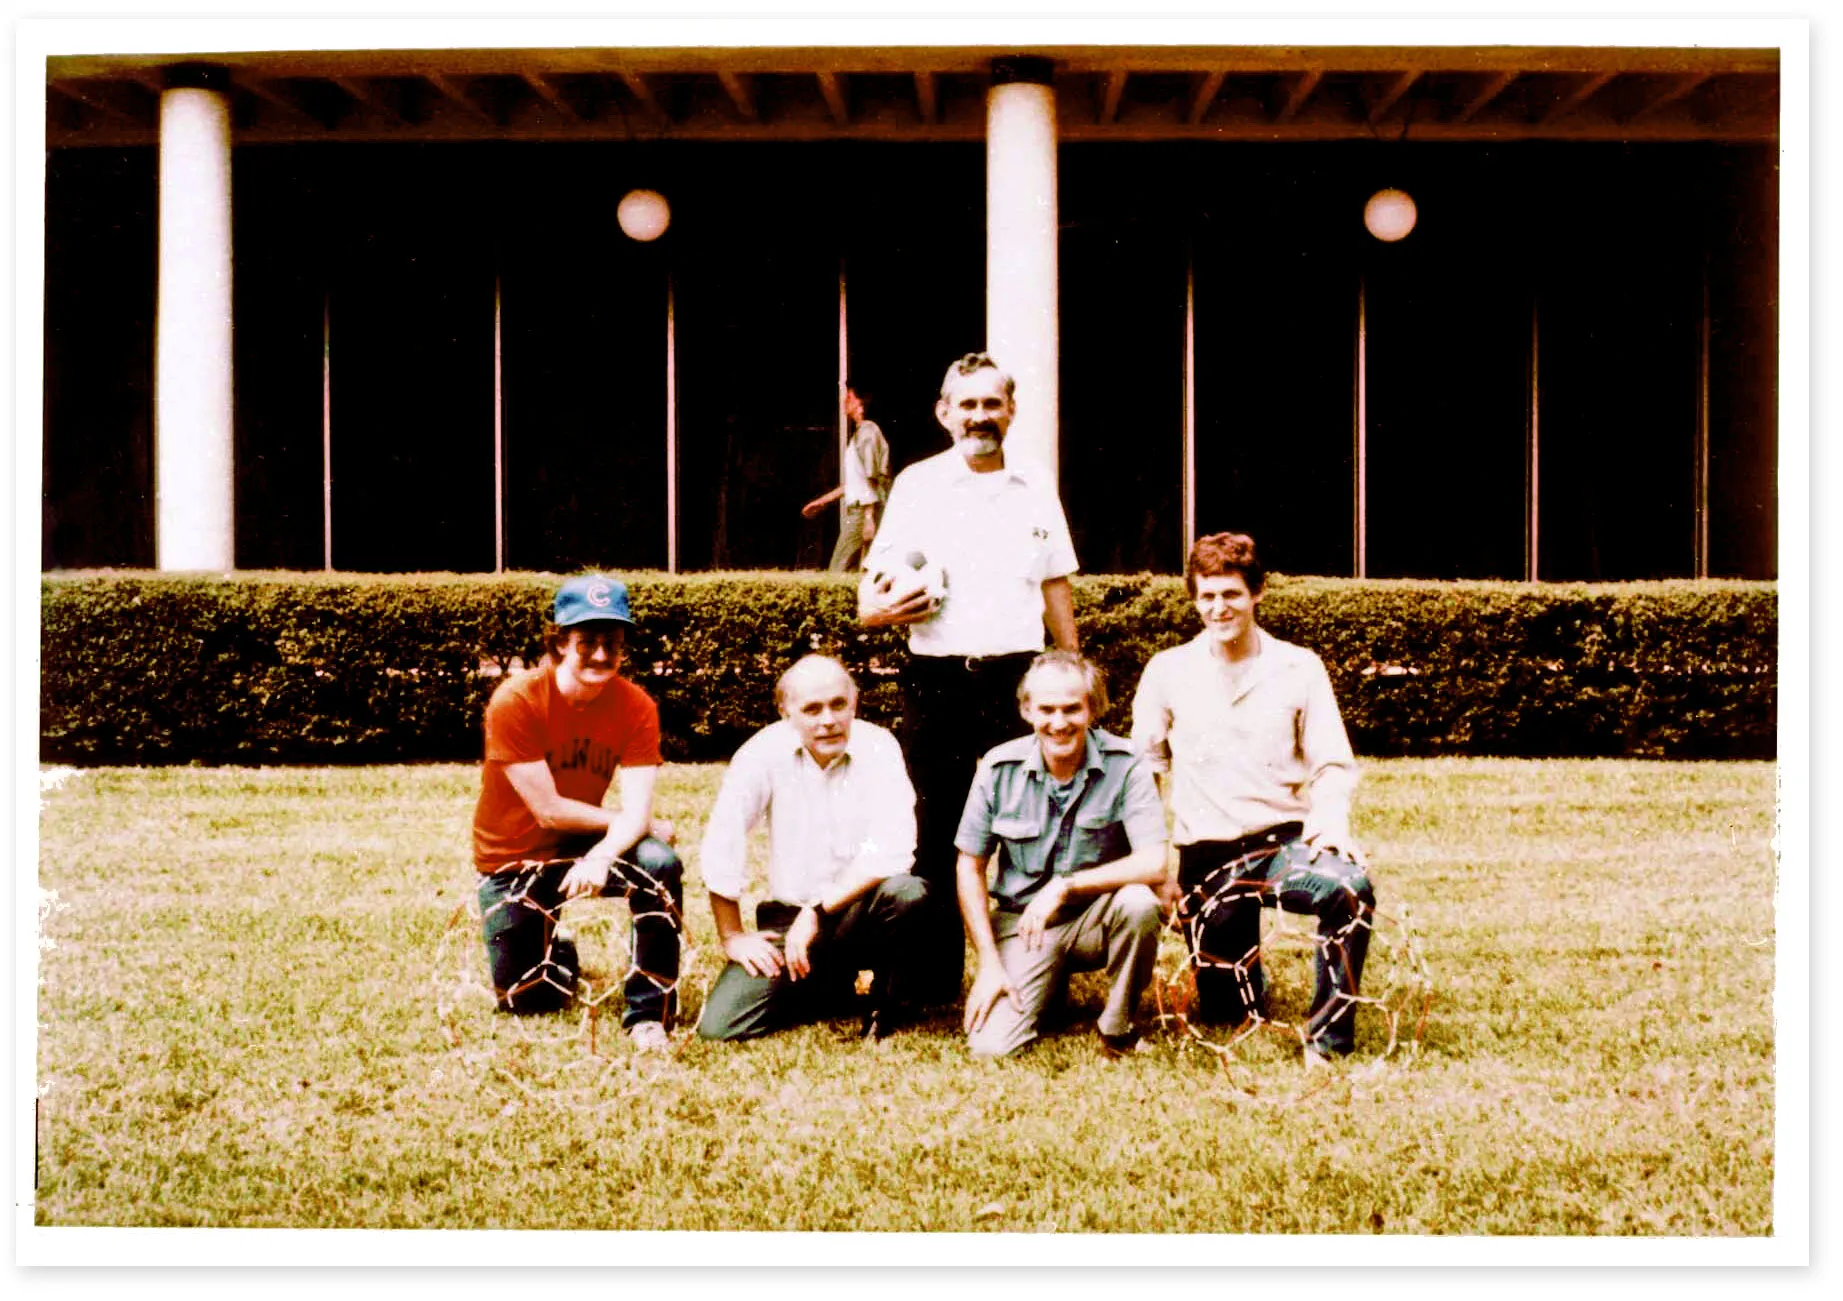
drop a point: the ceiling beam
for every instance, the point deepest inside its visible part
(832, 90)
(1202, 95)
(971, 60)
(101, 101)
(1756, 127)
(1111, 89)
(1678, 89)
(1392, 96)
(367, 97)
(1583, 91)
(452, 92)
(547, 91)
(1299, 94)
(927, 100)
(1497, 85)
(260, 87)
(642, 90)
(737, 87)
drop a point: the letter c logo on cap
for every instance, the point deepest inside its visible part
(598, 595)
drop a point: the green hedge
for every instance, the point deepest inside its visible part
(306, 668)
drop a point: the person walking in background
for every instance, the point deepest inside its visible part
(866, 488)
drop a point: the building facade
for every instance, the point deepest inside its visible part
(376, 311)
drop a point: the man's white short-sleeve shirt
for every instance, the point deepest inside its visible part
(867, 459)
(998, 537)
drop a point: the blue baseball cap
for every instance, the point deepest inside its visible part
(588, 598)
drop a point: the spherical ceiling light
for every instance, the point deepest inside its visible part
(644, 215)
(1389, 214)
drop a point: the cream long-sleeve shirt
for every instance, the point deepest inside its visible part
(857, 812)
(1245, 755)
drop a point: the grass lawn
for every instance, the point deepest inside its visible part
(254, 1012)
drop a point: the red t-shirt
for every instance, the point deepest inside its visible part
(528, 719)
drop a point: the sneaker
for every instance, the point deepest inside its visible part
(1316, 1058)
(649, 1037)
(1119, 1045)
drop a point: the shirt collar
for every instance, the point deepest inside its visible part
(1091, 758)
(853, 746)
(961, 470)
(1263, 664)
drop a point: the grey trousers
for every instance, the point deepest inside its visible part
(845, 556)
(1118, 932)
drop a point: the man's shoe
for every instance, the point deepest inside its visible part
(649, 1037)
(1316, 1058)
(882, 1022)
(564, 954)
(1119, 1045)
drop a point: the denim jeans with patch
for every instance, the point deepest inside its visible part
(1226, 884)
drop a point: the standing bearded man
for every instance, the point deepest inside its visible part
(997, 534)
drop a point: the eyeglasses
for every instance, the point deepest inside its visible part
(588, 643)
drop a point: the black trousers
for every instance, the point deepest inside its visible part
(954, 709)
(874, 931)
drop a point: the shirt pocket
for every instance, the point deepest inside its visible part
(1016, 829)
(1016, 836)
(1032, 551)
(1099, 838)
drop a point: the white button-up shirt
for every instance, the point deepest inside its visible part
(858, 814)
(1244, 755)
(998, 537)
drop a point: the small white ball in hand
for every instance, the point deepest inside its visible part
(912, 575)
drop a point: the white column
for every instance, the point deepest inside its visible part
(1021, 310)
(192, 383)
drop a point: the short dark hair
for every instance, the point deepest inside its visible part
(972, 363)
(1094, 682)
(1224, 553)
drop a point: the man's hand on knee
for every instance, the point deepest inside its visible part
(586, 876)
(755, 953)
(992, 983)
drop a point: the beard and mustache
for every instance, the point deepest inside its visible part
(981, 438)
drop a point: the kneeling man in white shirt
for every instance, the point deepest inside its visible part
(841, 833)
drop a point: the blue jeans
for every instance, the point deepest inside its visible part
(519, 907)
(1226, 884)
